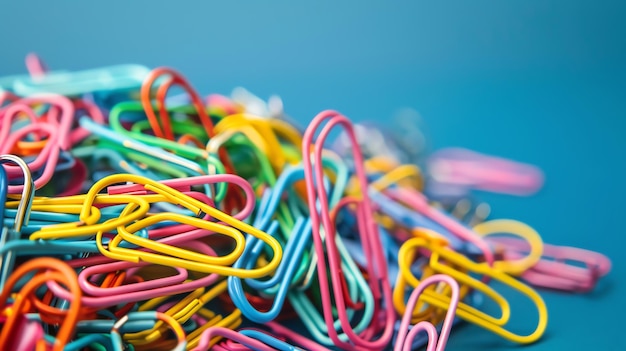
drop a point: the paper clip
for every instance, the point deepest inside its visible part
(113, 78)
(554, 268)
(289, 271)
(518, 265)
(377, 266)
(198, 207)
(439, 254)
(466, 169)
(108, 300)
(53, 270)
(436, 342)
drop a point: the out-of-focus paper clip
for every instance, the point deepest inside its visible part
(520, 264)
(164, 129)
(36, 68)
(119, 78)
(52, 269)
(556, 268)
(57, 127)
(465, 170)
(191, 168)
(260, 133)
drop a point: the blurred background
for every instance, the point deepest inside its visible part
(542, 82)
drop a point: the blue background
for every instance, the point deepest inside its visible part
(541, 81)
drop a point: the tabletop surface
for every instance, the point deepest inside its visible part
(538, 81)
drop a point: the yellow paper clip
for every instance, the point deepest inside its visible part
(439, 254)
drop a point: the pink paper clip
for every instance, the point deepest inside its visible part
(57, 126)
(556, 273)
(133, 295)
(89, 288)
(37, 69)
(35, 65)
(61, 114)
(472, 170)
(46, 159)
(436, 342)
(378, 280)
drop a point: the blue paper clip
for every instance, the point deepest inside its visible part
(113, 78)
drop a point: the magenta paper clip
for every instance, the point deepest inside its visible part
(462, 168)
(555, 270)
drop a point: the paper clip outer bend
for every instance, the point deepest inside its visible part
(89, 216)
(53, 269)
(405, 337)
(441, 253)
(368, 230)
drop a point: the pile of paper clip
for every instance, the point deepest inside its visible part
(134, 218)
